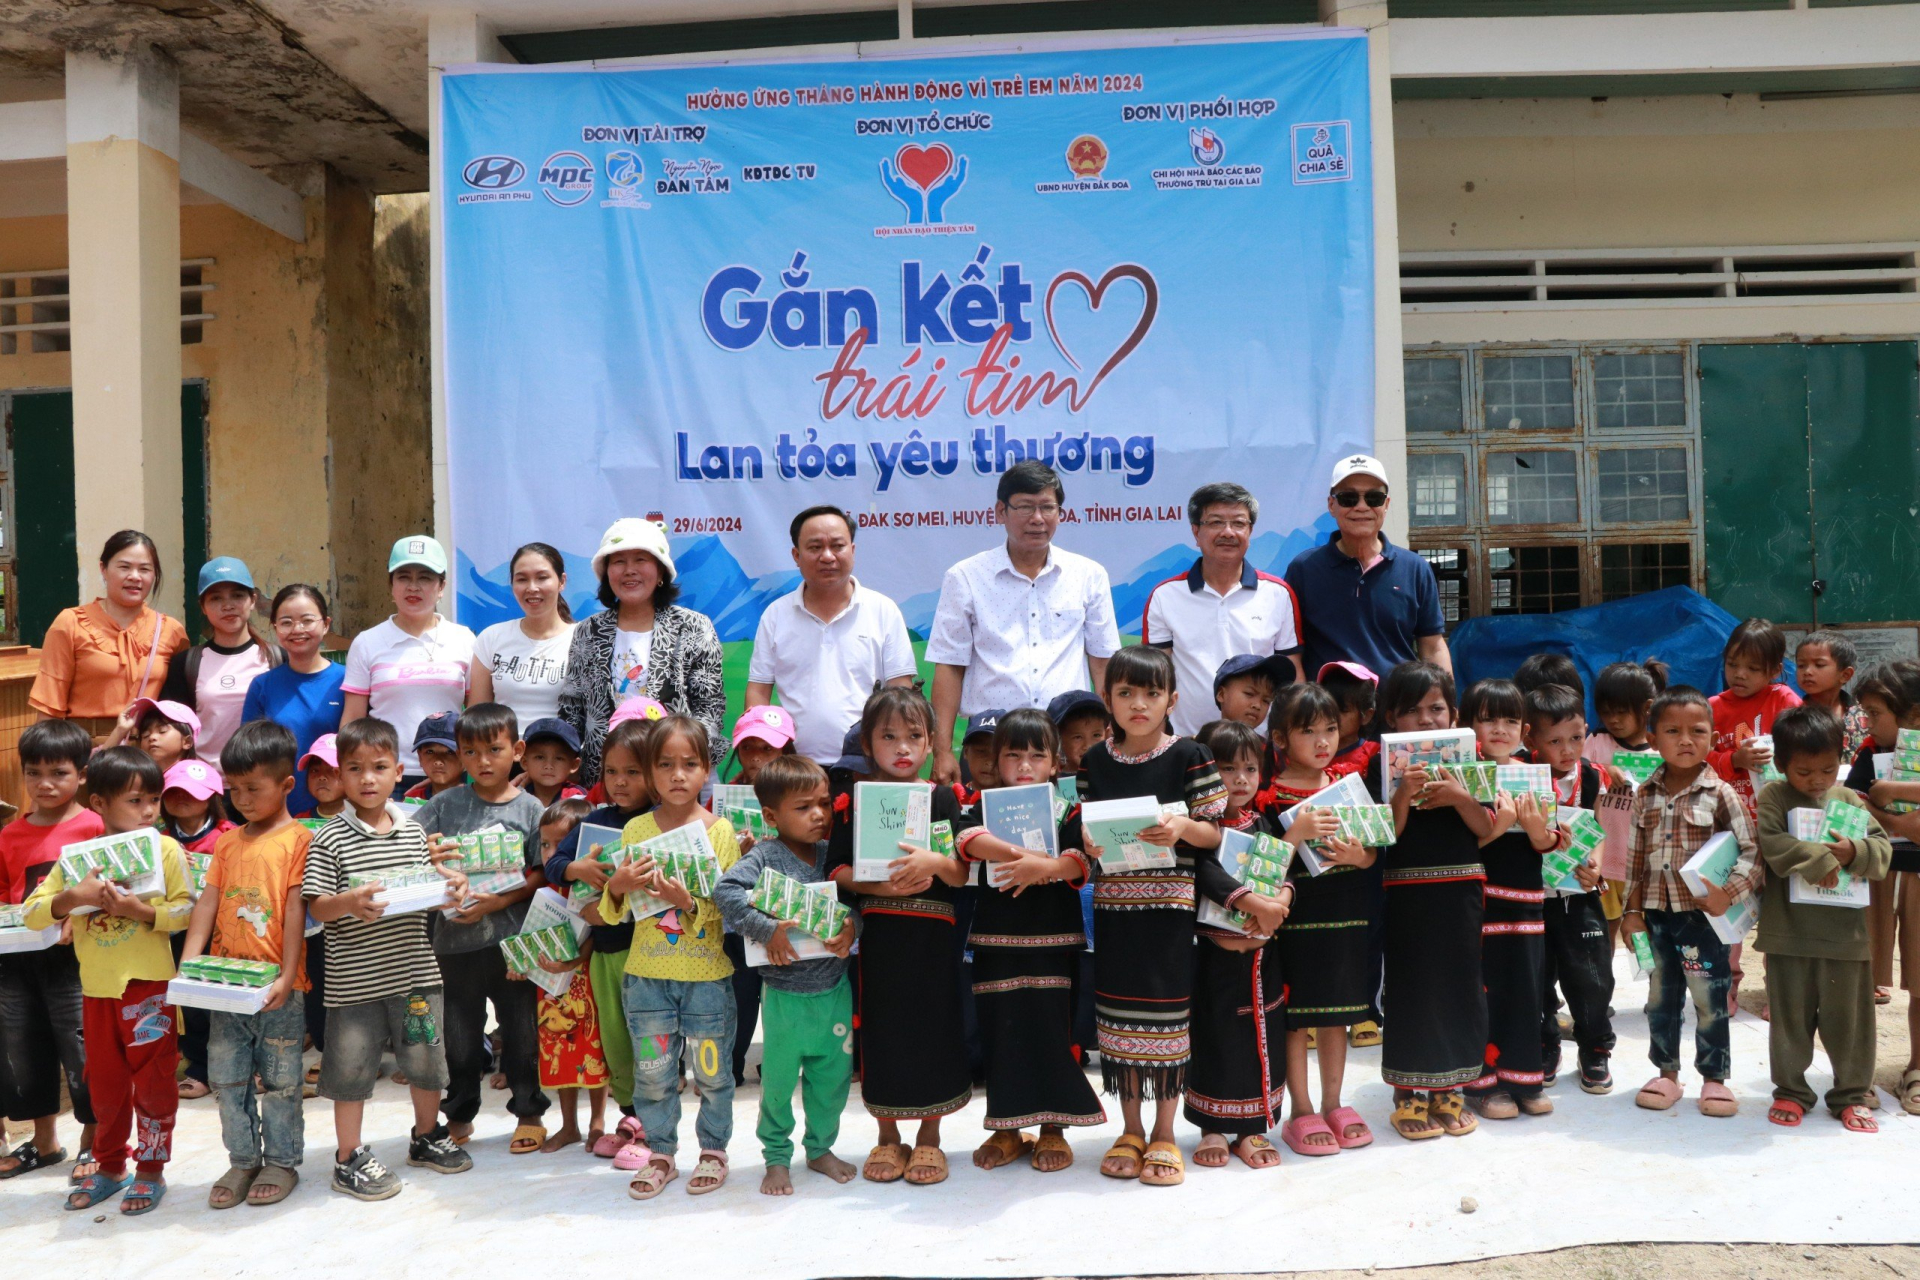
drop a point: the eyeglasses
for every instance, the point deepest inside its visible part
(306, 622)
(1235, 526)
(1351, 498)
(1026, 511)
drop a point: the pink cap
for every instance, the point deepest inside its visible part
(178, 712)
(638, 709)
(323, 750)
(1353, 669)
(772, 725)
(195, 777)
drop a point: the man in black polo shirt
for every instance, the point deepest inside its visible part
(1362, 599)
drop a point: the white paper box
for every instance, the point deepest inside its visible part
(413, 897)
(1851, 892)
(1133, 813)
(220, 997)
(17, 940)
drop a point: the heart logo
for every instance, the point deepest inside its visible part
(1150, 305)
(924, 166)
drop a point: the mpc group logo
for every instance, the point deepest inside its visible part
(626, 180)
(566, 178)
(493, 179)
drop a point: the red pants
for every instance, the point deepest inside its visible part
(132, 1054)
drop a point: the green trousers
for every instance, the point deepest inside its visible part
(806, 1040)
(606, 970)
(1835, 998)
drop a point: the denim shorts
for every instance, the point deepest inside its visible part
(358, 1033)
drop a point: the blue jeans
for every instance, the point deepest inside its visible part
(665, 1019)
(1688, 957)
(241, 1046)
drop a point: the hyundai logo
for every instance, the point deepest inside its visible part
(493, 173)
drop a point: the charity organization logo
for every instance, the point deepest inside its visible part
(566, 178)
(493, 179)
(923, 180)
(1322, 152)
(1206, 145)
(626, 180)
(1209, 169)
(1086, 158)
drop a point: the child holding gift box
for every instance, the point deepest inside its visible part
(676, 991)
(1353, 688)
(572, 1053)
(1027, 937)
(1434, 1001)
(913, 1056)
(125, 963)
(41, 1003)
(251, 909)
(1238, 1078)
(1144, 920)
(1683, 804)
(1890, 695)
(1819, 972)
(808, 1003)
(1512, 936)
(1752, 661)
(761, 734)
(1323, 943)
(1579, 952)
(1623, 695)
(192, 813)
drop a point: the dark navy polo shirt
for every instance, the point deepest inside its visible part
(1376, 618)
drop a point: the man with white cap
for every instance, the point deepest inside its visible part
(641, 645)
(1362, 599)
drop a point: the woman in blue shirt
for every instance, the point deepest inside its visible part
(304, 693)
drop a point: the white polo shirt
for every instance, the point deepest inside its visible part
(824, 671)
(408, 678)
(1203, 628)
(1023, 641)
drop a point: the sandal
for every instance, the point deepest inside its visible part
(191, 1089)
(1858, 1119)
(231, 1187)
(1210, 1144)
(653, 1179)
(1449, 1110)
(1717, 1100)
(1658, 1094)
(1052, 1144)
(927, 1158)
(28, 1158)
(1411, 1119)
(1341, 1119)
(1255, 1145)
(527, 1137)
(1296, 1132)
(1786, 1112)
(630, 1150)
(1163, 1155)
(1131, 1147)
(1883, 995)
(152, 1190)
(274, 1184)
(1910, 1092)
(712, 1169)
(1004, 1147)
(313, 1074)
(80, 1172)
(1365, 1035)
(886, 1162)
(94, 1188)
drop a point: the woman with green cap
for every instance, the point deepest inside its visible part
(414, 664)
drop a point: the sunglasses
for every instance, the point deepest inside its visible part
(1353, 497)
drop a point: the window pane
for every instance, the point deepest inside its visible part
(1534, 579)
(1435, 401)
(1538, 486)
(1644, 390)
(1450, 574)
(1638, 486)
(1630, 570)
(1527, 393)
(1439, 488)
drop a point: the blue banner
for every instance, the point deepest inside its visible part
(719, 294)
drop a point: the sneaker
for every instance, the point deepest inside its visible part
(1550, 1072)
(435, 1150)
(363, 1177)
(1594, 1076)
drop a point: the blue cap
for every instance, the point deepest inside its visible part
(437, 731)
(555, 728)
(1276, 667)
(225, 569)
(853, 753)
(1071, 703)
(981, 722)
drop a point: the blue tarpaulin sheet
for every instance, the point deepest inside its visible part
(1678, 625)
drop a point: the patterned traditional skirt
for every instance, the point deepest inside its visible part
(1323, 950)
(1513, 961)
(1143, 983)
(1435, 1027)
(1238, 1081)
(913, 1048)
(1023, 998)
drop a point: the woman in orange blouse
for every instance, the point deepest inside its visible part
(99, 657)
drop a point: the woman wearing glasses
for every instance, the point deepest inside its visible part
(303, 693)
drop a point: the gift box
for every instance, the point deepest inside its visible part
(1427, 748)
(418, 889)
(1907, 761)
(230, 970)
(1115, 826)
(740, 806)
(1884, 771)
(1520, 779)
(1637, 765)
(1711, 864)
(130, 859)
(1479, 777)
(198, 864)
(814, 910)
(885, 816)
(1250, 858)
(1848, 891)
(1847, 821)
(1907, 740)
(491, 853)
(15, 936)
(216, 996)
(1368, 824)
(1584, 837)
(683, 854)
(1023, 817)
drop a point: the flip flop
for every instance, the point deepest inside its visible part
(1858, 1119)
(152, 1190)
(94, 1188)
(30, 1158)
(1163, 1155)
(1786, 1112)
(1127, 1146)
(1297, 1130)
(1340, 1119)
(75, 1177)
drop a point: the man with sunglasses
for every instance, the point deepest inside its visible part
(1362, 599)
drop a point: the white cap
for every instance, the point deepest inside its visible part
(1357, 464)
(634, 534)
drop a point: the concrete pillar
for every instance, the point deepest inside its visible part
(1389, 393)
(453, 37)
(123, 255)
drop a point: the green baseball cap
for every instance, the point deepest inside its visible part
(418, 549)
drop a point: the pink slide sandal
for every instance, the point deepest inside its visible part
(1300, 1128)
(1340, 1119)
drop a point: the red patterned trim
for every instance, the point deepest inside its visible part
(1040, 941)
(1021, 984)
(1513, 927)
(1522, 1077)
(1516, 895)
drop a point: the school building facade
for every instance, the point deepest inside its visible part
(1650, 268)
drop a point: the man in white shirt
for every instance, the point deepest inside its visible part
(1221, 606)
(829, 644)
(1020, 624)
